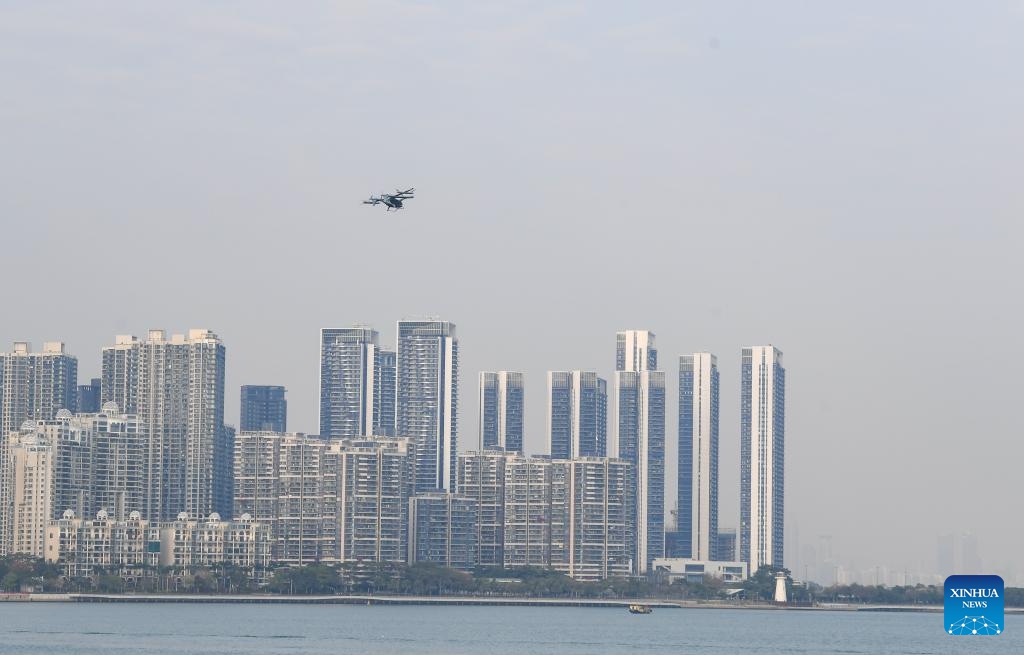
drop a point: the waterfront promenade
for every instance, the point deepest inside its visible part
(367, 599)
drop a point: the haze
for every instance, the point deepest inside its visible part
(843, 182)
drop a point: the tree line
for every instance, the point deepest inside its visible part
(23, 573)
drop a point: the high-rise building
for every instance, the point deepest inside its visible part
(115, 442)
(640, 440)
(88, 397)
(697, 491)
(180, 396)
(27, 502)
(374, 486)
(257, 475)
(34, 386)
(347, 384)
(442, 529)
(326, 501)
(427, 399)
(47, 469)
(85, 463)
(635, 350)
(726, 545)
(120, 378)
(384, 380)
(305, 531)
(527, 507)
(590, 518)
(577, 414)
(501, 411)
(264, 408)
(482, 477)
(762, 456)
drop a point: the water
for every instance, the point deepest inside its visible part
(183, 629)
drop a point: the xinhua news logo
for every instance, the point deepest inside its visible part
(974, 605)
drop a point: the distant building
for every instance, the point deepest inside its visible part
(639, 425)
(119, 382)
(577, 414)
(176, 388)
(693, 571)
(88, 395)
(501, 411)
(243, 543)
(427, 399)
(762, 457)
(442, 529)
(384, 381)
(727, 544)
(590, 518)
(528, 511)
(306, 529)
(86, 463)
(697, 491)
(677, 544)
(84, 547)
(46, 469)
(326, 501)
(482, 477)
(374, 486)
(264, 408)
(136, 547)
(34, 386)
(347, 381)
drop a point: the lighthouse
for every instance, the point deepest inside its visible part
(780, 588)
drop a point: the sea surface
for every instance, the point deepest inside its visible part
(187, 629)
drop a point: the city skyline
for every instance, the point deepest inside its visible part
(858, 163)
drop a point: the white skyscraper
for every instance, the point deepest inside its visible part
(501, 410)
(639, 424)
(697, 496)
(427, 399)
(762, 457)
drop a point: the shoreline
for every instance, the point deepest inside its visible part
(256, 599)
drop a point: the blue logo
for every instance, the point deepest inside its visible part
(974, 605)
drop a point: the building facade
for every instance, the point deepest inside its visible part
(762, 457)
(640, 440)
(384, 381)
(119, 381)
(590, 518)
(374, 486)
(427, 399)
(527, 509)
(697, 491)
(35, 386)
(83, 547)
(347, 381)
(442, 529)
(85, 463)
(501, 411)
(177, 386)
(88, 397)
(577, 414)
(482, 477)
(263, 408)
(694, 571)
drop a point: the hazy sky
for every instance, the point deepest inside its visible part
(842, 180)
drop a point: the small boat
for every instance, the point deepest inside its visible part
(640, 609)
